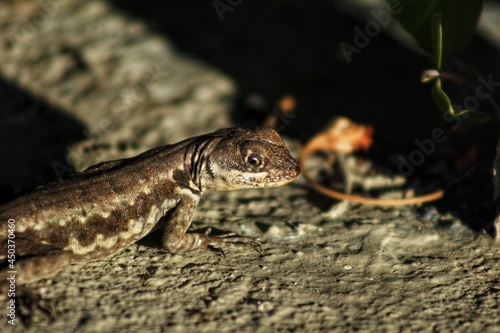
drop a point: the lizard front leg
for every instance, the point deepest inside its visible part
(175, 239)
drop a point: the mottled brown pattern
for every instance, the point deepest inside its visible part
(182, 180)
(112, 204)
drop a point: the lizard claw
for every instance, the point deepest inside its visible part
(232, 239)
(214, 243)
(216, 250)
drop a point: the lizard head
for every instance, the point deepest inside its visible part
(248, 159)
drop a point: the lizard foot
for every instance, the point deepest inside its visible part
(214, 243)
(181, 243)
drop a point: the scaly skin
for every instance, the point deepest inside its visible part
(111, 205)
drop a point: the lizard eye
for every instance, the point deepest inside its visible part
(255, 160)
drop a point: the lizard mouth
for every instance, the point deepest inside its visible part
(266, 179)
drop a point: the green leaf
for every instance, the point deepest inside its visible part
(473, 117)
(437, 39)
(478, 117)
(441, 98)
(459, 20)
(444, 104)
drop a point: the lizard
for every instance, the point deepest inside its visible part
(345, 137)
(109, 206)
